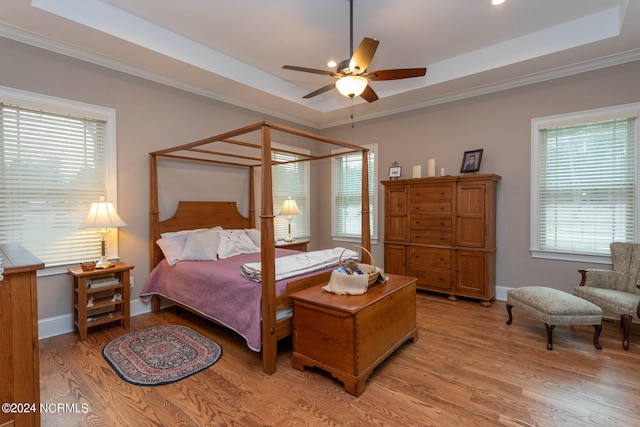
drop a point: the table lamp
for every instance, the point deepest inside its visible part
(289, 207)
(103, 216)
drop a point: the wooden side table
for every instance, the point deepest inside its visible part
(296, 245)
(106, 308)
(349, 335)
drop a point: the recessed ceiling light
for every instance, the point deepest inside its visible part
(497, 2)
(331, 63)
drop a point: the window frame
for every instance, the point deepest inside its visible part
(373, 198)
(57, 105)
(576, 118)
(280, 221)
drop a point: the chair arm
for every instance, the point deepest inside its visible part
(598, 278)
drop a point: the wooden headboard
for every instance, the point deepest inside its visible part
(191, 215)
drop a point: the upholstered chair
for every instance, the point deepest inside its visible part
(616, 290)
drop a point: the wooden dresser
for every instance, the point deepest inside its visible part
(442, 231)
(349, 335)
(19, 355)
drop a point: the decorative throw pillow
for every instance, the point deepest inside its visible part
(172, 247)
(254, 235)
(201, 246)
(235, 242)
(181, 232)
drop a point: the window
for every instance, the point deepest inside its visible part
(347, 195)
(56, 158)
(584, 191)
(290, 180)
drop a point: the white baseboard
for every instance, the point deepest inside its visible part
(58, 325)
(63, 324)
(501, 293)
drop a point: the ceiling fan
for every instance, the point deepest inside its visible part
(352, 75)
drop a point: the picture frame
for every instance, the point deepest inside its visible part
(471, 161)
(395, 172)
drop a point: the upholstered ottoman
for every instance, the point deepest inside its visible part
(555, 307)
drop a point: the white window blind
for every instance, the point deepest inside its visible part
(347, 195)
(53, 167)
(587, 186)
(290, 180)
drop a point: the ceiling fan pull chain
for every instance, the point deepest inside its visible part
(353, 123)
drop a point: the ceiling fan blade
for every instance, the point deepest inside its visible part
(363, 55)
(369, 94)
(312, 70)
(397, 74)
(321, 90)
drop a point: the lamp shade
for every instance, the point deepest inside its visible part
(102, 215)
(289, 207)
(351, 86)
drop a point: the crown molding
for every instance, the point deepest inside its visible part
(72, 51)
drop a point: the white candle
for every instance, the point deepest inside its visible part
(417, 171)
(431, 167)
(441, 171)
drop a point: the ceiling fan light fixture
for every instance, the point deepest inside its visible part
(351, 86)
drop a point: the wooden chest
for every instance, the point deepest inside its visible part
(349, 335)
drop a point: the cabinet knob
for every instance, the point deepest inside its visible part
(441, 259)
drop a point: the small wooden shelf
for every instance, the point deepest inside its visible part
(102, 298)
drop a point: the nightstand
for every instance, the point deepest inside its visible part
(95, 297)
(296, 245)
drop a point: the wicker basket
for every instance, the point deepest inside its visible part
(371, 270)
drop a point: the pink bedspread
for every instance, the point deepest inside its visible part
(217, 290)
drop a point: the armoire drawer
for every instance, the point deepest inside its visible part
(431, 208)
(430, 194)
(432, 257)
(438, 278)
(431, 222)
(431, 237)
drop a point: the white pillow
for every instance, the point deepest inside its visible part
(254, 235)
(235, 242)
(201, 246)
(181, 232)
(172, 247)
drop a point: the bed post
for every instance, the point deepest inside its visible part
(366, 236)
(269, 339)
(252, 197)
(153, 211)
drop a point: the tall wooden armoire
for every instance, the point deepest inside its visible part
(442, 231)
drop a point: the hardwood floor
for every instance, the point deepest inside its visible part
(468, 368)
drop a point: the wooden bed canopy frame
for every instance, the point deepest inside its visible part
(191, 214)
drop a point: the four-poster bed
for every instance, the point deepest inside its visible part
(194, 215)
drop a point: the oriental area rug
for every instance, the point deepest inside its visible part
(160, 355)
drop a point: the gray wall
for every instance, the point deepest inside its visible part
(501, 124)
(151, 116)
